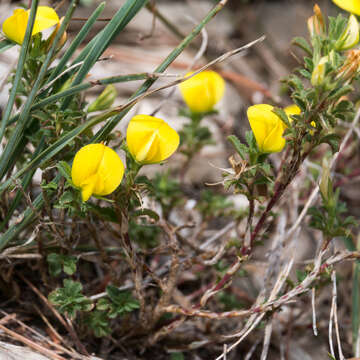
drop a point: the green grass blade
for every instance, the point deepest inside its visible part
(25, 183)
(28, 215)
(54, 149)
(5, 45)
(77, 41)
(78, 88)
(7, 156)
(110, 125)
(20, 68)
(84, 86)
(116, 24)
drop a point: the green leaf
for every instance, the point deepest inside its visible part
(338, 93)
(69, 299)
(240, 148)
(332, 140)
(65, 170)
(54, 264)
(142, 212)
(66, 198)
(69, 265)
(282, 115)
(303, 44)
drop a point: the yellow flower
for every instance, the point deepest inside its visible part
(14, 27)
(150, 140)
(267, 128)
(292, 110)
(318, 74)
(352, 6)
(96, 170)
(203, 91)
(295, 110)
(350, 36)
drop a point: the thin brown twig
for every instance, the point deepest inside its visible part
(31, 344)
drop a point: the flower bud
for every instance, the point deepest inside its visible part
(267, 127)
(318, 74)
(350, 36)
(352, 6)
(351, 66)
(104, 100)
(316, 24)
(150, 140)
(14, 27)
(295, 110)
(96, 170)
(203, 91)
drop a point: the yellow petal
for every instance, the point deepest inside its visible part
(350, 36)
(274, 142)
(203, 91)
(97, 169)
(267, 128)
(292, 110)
(150, 139)
(88, 186)
(318, 74)
(14, 27)
(110, 173)
(352, 6)
(46, 17)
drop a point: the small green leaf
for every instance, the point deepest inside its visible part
(65, 170)
(240, 148)
(303, 44)
(66, 198)
(142, 212)
(332, 140)
(338, 93)
(282, 115)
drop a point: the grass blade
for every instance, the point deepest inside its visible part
(110, 125)
(17, 135)
(20, 68)
(116, 24)
(77, 41)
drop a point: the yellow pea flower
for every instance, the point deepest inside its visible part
(267, 128)
(96, 170)
(318, 74)
(352, 6)
(295, 110)
(203, 91)
(292, 110)
(14, 27)
(350, 36)
(150, 140)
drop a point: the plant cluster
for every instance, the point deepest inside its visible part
(98, 211)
